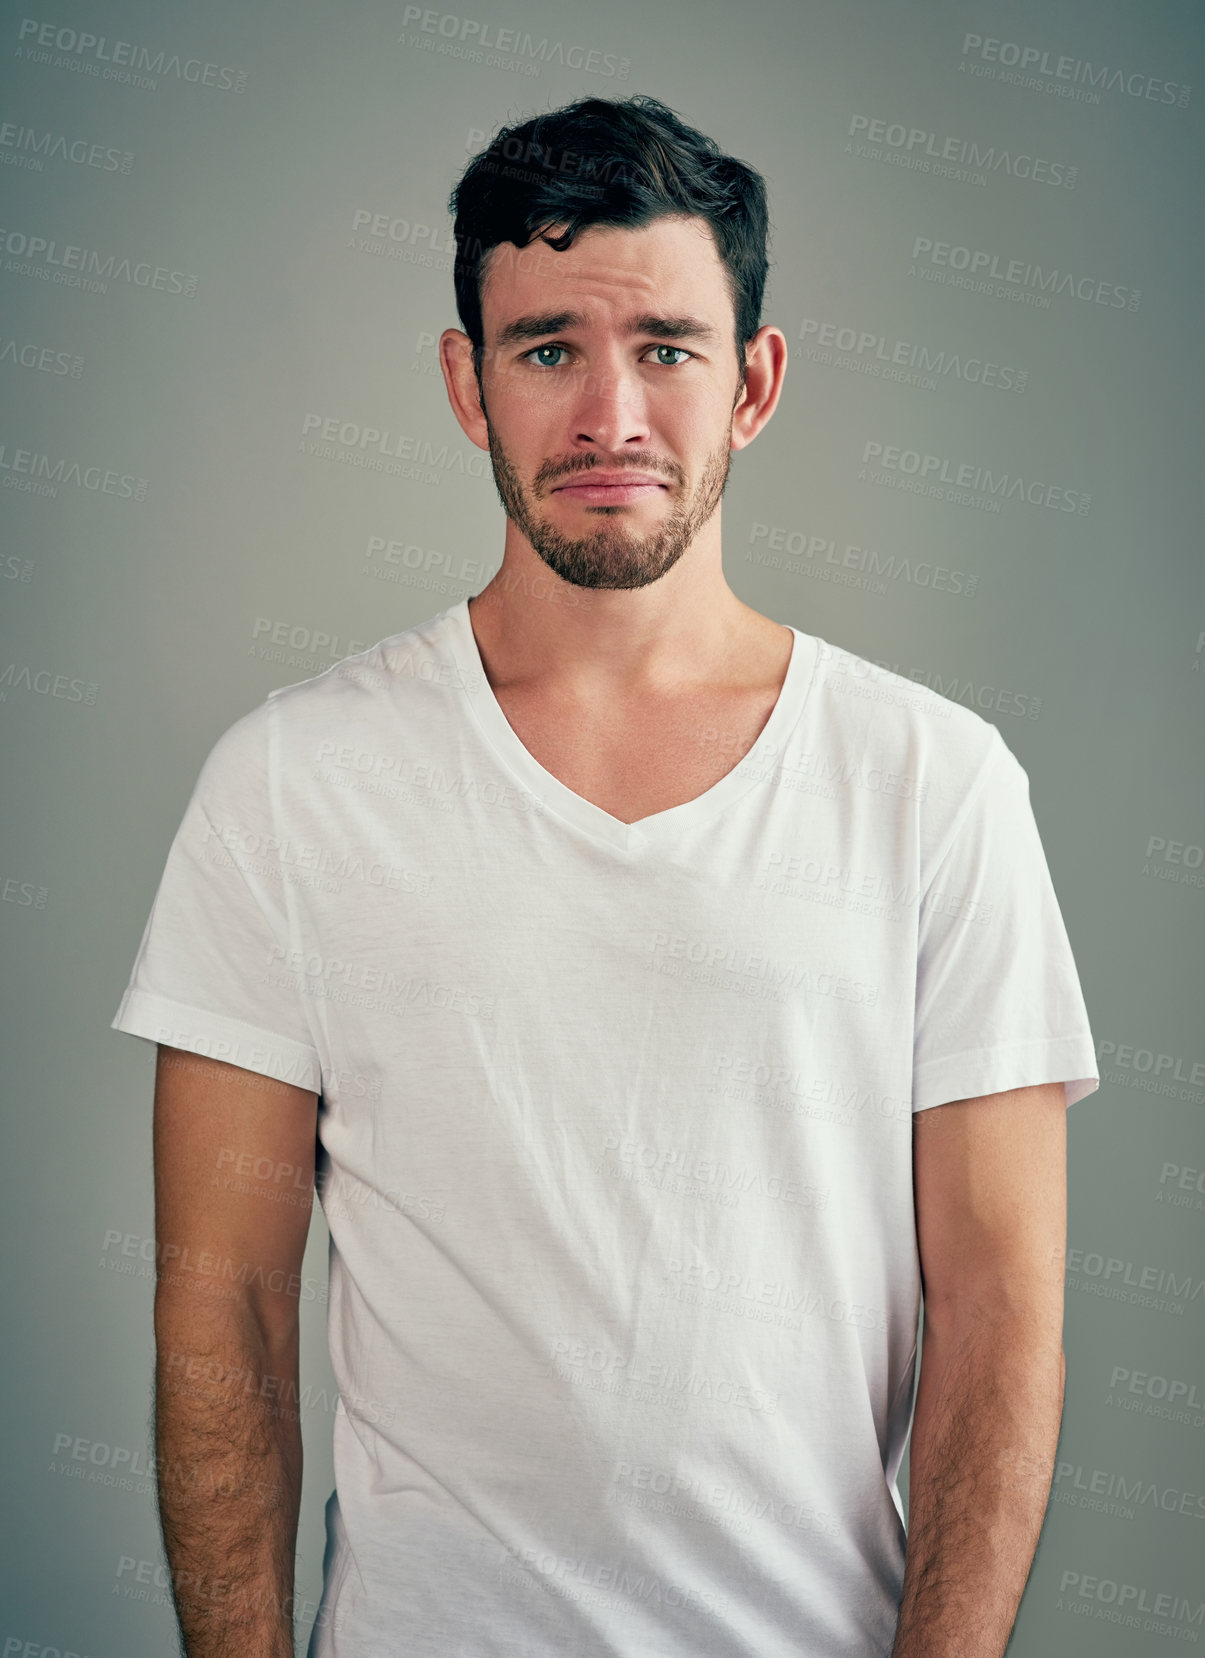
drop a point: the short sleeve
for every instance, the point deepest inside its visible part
(998, 998)
(211, 974)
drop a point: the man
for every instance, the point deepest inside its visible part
(666, 994)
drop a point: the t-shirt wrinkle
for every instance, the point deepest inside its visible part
(963, 816)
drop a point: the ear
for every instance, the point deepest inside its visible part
(765, 370)
(456, 361)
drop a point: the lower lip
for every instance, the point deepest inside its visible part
(608, 495)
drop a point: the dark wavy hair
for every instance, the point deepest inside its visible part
(598, 161)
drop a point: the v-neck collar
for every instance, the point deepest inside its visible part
(758, 767)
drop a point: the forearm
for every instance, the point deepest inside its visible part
(984, 1437)
(228, 1465)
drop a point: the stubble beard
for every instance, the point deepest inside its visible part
(613, 555)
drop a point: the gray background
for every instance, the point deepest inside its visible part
(222, 556)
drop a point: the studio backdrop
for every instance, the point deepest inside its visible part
(228, 461)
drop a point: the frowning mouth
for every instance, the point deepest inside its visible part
(609, 488)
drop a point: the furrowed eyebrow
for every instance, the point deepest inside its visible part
(536, 326)
(673, 328)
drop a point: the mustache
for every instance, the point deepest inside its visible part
(553, 472)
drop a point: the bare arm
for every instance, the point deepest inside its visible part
(990, 1179)
(234, 1178)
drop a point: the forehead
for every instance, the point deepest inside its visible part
(671, 264)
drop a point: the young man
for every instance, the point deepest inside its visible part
(668, 996)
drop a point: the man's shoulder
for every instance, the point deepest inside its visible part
(850, 684)
(895, 735)
(391, 681)
(419, 655)
(405, 679)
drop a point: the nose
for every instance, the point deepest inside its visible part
(610, 411)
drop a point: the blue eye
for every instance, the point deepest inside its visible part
(534, 355)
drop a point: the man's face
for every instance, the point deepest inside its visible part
(606, 364)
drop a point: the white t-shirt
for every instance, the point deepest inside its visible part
(615, 1130)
